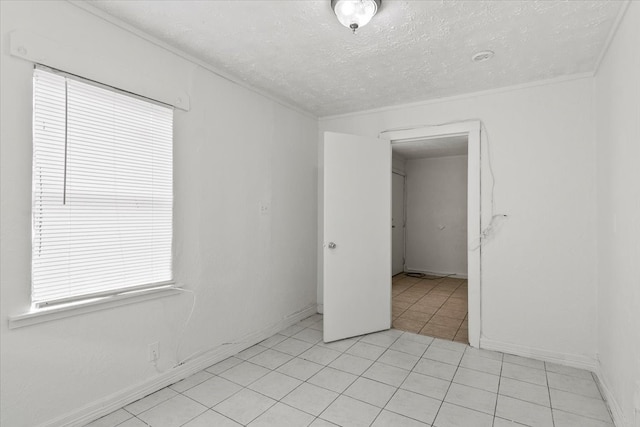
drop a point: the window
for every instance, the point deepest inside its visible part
(102, 190)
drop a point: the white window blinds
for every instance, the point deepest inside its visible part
(102, 190)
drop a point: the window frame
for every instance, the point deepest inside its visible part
(107, 296)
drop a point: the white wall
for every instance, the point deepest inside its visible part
(233, 150)
(538, 273)
(437, 215)
(618, 147)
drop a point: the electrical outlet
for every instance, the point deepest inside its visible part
(154, 352)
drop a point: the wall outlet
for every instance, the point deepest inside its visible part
(154, 352)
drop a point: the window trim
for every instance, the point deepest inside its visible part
(75, 308)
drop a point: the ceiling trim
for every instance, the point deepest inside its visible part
(84, 5)
(493, 91)
(612, 34)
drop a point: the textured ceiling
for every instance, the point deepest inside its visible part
(432, 147)
(411, 51)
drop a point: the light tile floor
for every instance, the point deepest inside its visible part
(433, 306)
(389, 378)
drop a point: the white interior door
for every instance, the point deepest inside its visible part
(357, 236)
(397, 223)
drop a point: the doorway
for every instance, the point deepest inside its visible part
(429, 290)
(412, 139)
(356, 237)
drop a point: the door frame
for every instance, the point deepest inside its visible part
(404, 217)
(474, 207)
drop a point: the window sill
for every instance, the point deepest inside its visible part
(48, 314)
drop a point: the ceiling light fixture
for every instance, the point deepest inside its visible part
(484, 55)
(354, 14)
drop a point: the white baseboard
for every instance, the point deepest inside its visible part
(619, 420)
(567, 359)
(108, 404)
(437, 273)
(320, 308)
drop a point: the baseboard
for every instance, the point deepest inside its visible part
(619, 420)
(320, 308)
(567, 359)
(122, 398)
(437, 273)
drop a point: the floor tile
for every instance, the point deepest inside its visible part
(273, 340)
(311, 336)
(409, 346)
(320, 355)
(435, 369)
(220, 367)
(483, 364)
(380, 339)
(439, 331)
(582, 386)
(488, 354)
(291, 330)
(111, 420)
(305, 323)
(271, 359)
(399, 359)
(414, 405)
(408, 325)
(456, 416)
(448, 345)
(173, 412)
(443, 355)
(525, 391)
(579, 405)
(319, 422)
(566, 419)
(210, 419)
(418, 316)
(352, 364)
(275, 385)
(386, 374)
(346, 411)
(368, 351)
(192, 381)
(369, 391)
(523, 361)
(477, 379)
(212, 391)
(391, 419)
(332, 379)
(150, 401)
(501, 422)
(523, 412)
(426, 385)
(250, 352)
(472, 398)
(567, 370)
(293, 346)
(133, 422)
(341, 345)
(524, 373)
(244, 406)
(245, 373)
(310, 398)
(281, 415)
(300, 368)
(422, 339)
(318, 326)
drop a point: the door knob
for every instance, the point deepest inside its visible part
(331, 245)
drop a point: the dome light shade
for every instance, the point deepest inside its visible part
(354, 14)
